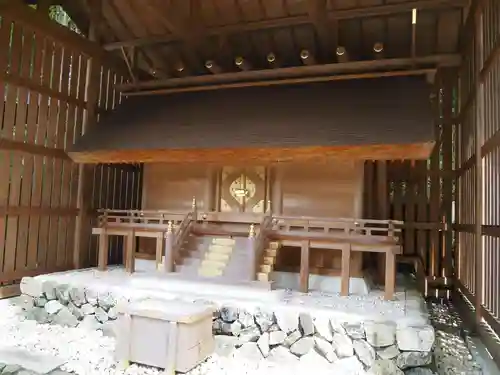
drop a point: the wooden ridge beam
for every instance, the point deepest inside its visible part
(294, 72)
(339, 14)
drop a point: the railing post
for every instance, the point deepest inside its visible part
(253, 255)
(168, 262)
(194, 210)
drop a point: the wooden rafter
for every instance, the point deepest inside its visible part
(372, 11)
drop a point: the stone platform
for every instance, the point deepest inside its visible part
(355, 332)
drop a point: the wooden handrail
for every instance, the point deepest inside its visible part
(182, 232)
(260, 242)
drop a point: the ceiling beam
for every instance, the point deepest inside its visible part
(432, 61)
(318, 14)
(338, 14)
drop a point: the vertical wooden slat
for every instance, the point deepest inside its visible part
(15, 165)
(422, 201)
(304, 267)
(409, 241)
(382, 210)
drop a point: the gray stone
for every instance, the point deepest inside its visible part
(113, 313)
(324, 348)
(323, 328)
(31, 287)
(65, 318)
(415, 338)
(249, 351)
(27, 372)
(106, 301)
(38, 314)
(91, 297)
(62, 293)
(101, 315)
(337, 326)
(11, 369)
(288, 321)
(109, 328)
(282, 356)
(217, 326)
(413, 359)
(228, 314)
(365, 352)
(384, 367)
(29, 360)
(53, 307)
(90, 323)
(349, 365)
(2, 366)
(60, 372)
(306, 324)
(246, 319)
(225, 328)
(23, 301)
(225, 345)
(39, 301)
(77, 296)
(75, 311)
(235, 328)
(389, 352)
(419, 371)
(249, 334)
(312, 359)
(276, 337)
(274, 327)
(292, 338)
(342, 345)
(355, 330)
(87, 309)
(380, 334)
(263, 344)
(264, 320)
(49, 289)
(302, 346)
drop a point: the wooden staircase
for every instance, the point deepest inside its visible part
(268, 261)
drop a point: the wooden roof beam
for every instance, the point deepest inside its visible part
(432, 61)
(318, 14)
(339, 14)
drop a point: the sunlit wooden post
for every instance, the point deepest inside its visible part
(251, 250)
(194, 210)
(168, 261)
(304, 267)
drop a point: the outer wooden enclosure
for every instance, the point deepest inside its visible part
(56, 84)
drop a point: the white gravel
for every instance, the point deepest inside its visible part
(89, 352)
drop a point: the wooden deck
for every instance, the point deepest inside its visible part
(171, 229)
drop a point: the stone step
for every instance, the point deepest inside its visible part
(223, 241)
(220, 248)
(275, 245)
(208, 272)
(222, 257)
(266, 268)
(270, 252)
(268, 260)
(262, 276)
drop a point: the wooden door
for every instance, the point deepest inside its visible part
(243, 189)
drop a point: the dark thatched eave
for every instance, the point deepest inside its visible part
(383, 114)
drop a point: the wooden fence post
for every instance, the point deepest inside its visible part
(168, 262)
(251, 250)
(304, 267)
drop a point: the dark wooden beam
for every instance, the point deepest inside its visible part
(371, 11)
(318, 14)
(296, 72)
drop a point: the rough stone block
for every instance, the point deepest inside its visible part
(91, 297)
(38, 314)
(113, 313)
(65, 318)
(282, 356)
(49, 289)
(75, 311)
(249, 334)
(87, 309)
(264, 320)
(24, 301)
(343, 345)
(228, 314)
(324, 348)
(101, 315)
(225, 345)
(277, 337)
(106, 301)
(53, 307)
(306, 324)
(419, 371)
(323, 328)
(90, 323)
(349, 365)
(62, 293)
(355, 330)
(384, 367)
(263, 344)
(77, 296)
(292, 338)
(380, 334)
(313, 360)
(31, 287)
(287, 321)
(235, 328)
(365, 352)
(109, 328)
(415, 338)
(39, 301)
(413, 359)
(246, 319)
(302, 346)
(249, 351)
(389, 352)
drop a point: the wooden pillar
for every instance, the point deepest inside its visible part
(218, 181)
(130, 252)
(159, 250)
(84, 194)
(277, 191)
(304, 267)
(168, 262)
(103, 250)
(251, 251)
(390, 274)
(382, 212)
(210, 190)
(346, 270)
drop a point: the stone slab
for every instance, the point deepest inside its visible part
(40, 363)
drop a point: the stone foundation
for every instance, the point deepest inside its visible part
(281, 335)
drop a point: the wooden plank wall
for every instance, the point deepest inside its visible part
(478, 174)
(43, 87)
(420, 192)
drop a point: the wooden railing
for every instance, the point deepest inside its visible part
(181, 233)
(259, 243)
(139, 218)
